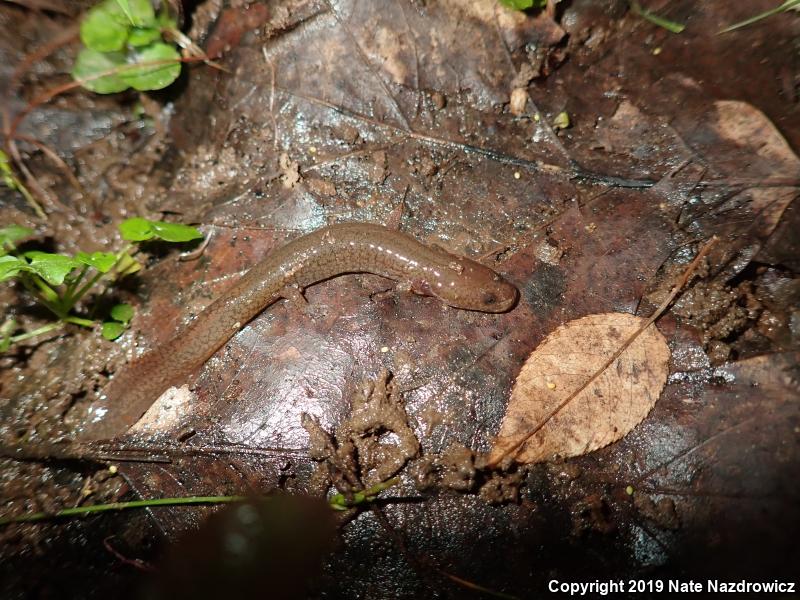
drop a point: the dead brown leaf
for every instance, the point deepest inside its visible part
(613, 402)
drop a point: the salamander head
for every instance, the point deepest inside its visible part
(469, 285)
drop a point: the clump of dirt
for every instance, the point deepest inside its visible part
(376, 442)
(661, 512)
(743, 317)
(592, 513)
(368, 448)
(453, 469)
(462, 470)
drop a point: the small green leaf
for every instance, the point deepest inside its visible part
(91, 63)
(164, 69)
(14, 233)
(671, 26)
(143, 36)
(561, 121)
(166, 21)
(102, 261)
(122, 313)
(10, 266)
(112, 330)
(53, 268)
(102, 32)
(138, 13)
(122, 5)
(175, 232)
(524, 4)
(136, 229)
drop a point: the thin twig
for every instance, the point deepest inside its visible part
(57, 160)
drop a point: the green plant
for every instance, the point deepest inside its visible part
(524, 4)
(12, 182)
(121, 315)
(125, 48)
(337, 502)
(670, 26)
(788, 5)
(342, 502)
(59, 282)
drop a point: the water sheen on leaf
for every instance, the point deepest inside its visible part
(10, 266)
(53, 268)
(102, 261)
(165, 68)
(175, 232)
(136, 229)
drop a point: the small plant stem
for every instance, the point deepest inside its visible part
(78, 321)
(20, 187)
(73, 300)
(38, 331)
(774, 11)
(86, 510)
(68, 295)
(122, 253)
(340, 502)
(115, 272)
(76, 296)
(46, 291)
(57, 307)
(53, 308)
(670, 26)
(37, 208)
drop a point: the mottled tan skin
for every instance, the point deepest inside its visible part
(328, 252)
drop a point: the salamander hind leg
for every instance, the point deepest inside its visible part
(294, 294)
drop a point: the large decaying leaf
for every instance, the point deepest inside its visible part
(612, 403)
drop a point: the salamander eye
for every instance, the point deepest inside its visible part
(488, 298)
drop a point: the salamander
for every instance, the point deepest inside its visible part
(328, 252)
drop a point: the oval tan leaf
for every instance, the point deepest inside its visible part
(615, 400)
